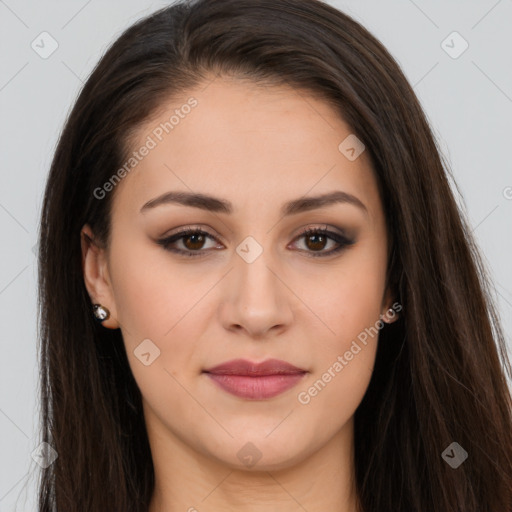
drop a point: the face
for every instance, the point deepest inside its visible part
(250, 284)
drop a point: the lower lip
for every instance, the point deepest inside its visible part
(256, 388)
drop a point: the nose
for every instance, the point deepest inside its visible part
(258, 300)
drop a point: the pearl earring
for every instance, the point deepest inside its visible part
(100, 312)
(389, 313)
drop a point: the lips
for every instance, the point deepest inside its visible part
(255, 381)
(244, 367)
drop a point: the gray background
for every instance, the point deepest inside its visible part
(468, 101)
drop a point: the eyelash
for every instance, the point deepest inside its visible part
(340, 239)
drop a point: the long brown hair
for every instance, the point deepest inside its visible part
(441, 369)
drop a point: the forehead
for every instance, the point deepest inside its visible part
(252, 144)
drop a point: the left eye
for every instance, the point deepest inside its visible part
(316, 239)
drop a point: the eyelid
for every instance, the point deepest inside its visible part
(324, 227)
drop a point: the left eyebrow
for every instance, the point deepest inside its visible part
(215, 204)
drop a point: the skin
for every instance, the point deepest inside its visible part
(257, 147)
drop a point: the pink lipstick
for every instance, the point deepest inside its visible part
(255, 381)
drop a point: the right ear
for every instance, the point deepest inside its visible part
(96, 276)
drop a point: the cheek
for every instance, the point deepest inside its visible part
(146, 290)
(157, 317)
(342, 372)
(349, 300)
(159, 332)
(345, 353)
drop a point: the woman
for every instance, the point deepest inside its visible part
(257, 291)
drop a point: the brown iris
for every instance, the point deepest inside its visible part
(199, 241)
(318, 243)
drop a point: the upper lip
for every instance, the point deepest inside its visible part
(244, 367)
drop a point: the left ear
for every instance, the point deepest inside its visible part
(389, 309)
